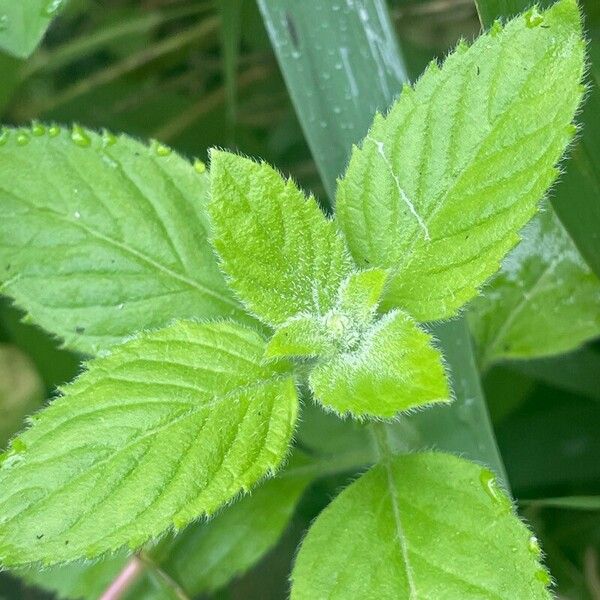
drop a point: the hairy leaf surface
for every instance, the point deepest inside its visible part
(202, 558)
(545, 300)
(166, 428)
(440, 187)
(281, 253)
(23, 24)
(101, 237)
(419, 527)
(391, 367)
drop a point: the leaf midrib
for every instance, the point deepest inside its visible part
(129, 250)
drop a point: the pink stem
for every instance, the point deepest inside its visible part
(131, 571)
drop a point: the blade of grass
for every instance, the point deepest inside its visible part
(341, 63)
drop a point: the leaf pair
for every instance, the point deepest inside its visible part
(290, 266)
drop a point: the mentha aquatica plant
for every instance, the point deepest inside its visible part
(216, 303)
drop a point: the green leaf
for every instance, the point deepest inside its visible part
(420, 526)
(441, 185)
(300, 336)
(104, 236)
(21, 390)
(205, 557)
(390, 367)
(168, 427)
(281, 253)
(544, 300)
(23, 24)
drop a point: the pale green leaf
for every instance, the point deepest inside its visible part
(21, 390)
(441, 186)
(544, 301)
(300, 336)
(101, 237)
(423, 526)
(281, 253)
(24, 22)
(391, 366)
(168, 427)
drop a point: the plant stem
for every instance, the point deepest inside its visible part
(164, 580)
(124, 580)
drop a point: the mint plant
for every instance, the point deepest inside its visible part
(217, 302)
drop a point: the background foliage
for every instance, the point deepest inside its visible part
(195, 74)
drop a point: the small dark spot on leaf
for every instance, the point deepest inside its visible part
(545, 26)
(136, 153)
(8, 267)
(39, 536)
(79, 329)
(66, 542)
(478, 70)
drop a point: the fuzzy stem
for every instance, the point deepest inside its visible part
(124, 580)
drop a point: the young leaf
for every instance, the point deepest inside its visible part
(545, 300)
(23, 24)
(281, 253)
(300, 336)
(392, 367)
(441, 186)
(103, 236)
(166, 428)
(420, 526)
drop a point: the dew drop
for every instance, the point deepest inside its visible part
(4, 135)
(534, 546)
(533, 18)
(161, 149)
(18, 446)
(199, 166)
(77, 214)
(80, 137)
(4, 22)
(52, 7)
(54, 131)
(108, 139)
(38, 129)
(22, 138)
(543, 576)
(490, 485)
(496, 28)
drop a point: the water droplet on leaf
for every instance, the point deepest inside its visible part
(38, 129)
(161, 149)
(534, 546)
(54, 131)
(543, 576)
(53, 7)
(533, 18)
(80, 137)
(490, 485)
(22, 138)
(108, 139)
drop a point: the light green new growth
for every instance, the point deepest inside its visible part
(282, 255)
(545, 300)
(440, 187)
(102, 236)
(168, 427)
(393, 368)
(422, 526)
(24, 22)
(291, 268)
